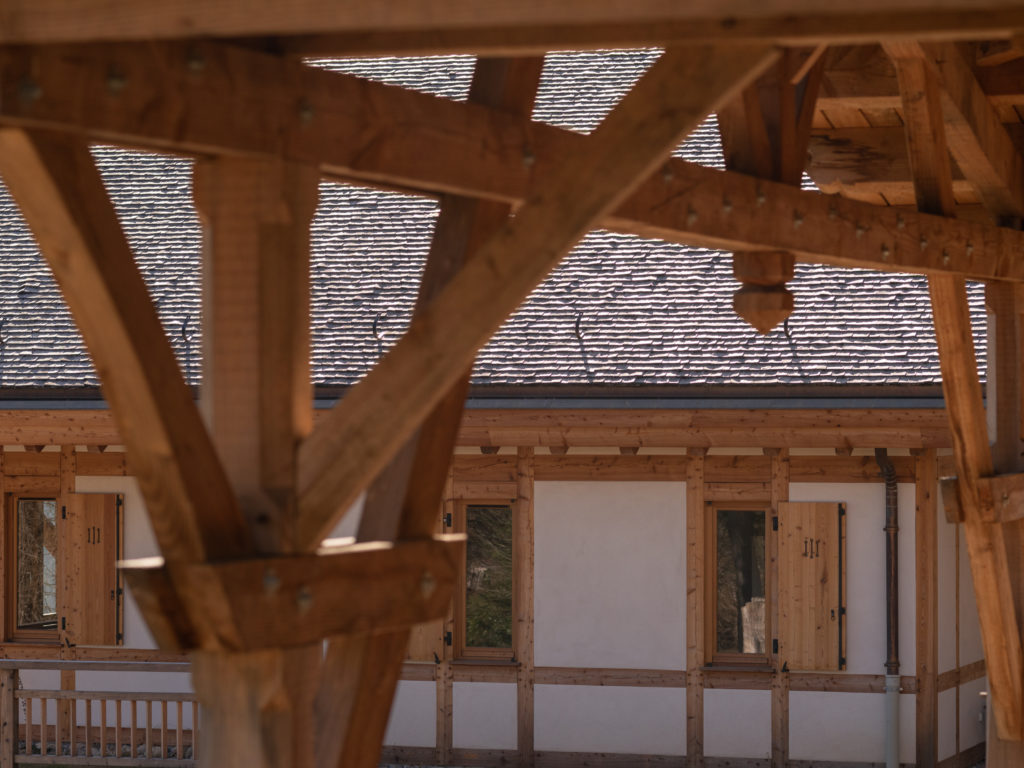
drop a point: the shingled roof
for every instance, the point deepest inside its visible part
(620, 310)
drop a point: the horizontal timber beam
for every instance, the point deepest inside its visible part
(275, 602)
(1000, 498)
(371, 133)
(587, 427)
(521, 22)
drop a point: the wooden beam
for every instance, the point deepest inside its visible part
(61, 195)
(927, 612)
(696, 657)
(976, 137)
(257, 396)
(986, 544)
(287, 601)
(601, 22)
(474, 151)
(377, 416)
(522, 600)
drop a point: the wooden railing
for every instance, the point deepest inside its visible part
(79, 727)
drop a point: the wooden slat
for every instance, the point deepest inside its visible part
(348, 109)
(61, 195)
(31, 463)
(374, 419)
(101, 464)
(532, 23)
(633, 678)
(780, 480)
(986, 545)
(611, 467)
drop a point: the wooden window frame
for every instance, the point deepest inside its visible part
(461, 651)
(14, 634)
(715, 657)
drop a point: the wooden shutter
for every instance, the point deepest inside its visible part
(811, 578)
(91, 612)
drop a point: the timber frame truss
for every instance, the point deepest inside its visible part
(243, 489)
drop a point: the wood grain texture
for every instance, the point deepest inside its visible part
(986, 542)
(523, 605)
(257, 398)
(348, 112)
(927, 611)
(696, 652)
(59, 190)
(376, 416)
(462, 23)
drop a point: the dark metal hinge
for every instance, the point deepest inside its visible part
(775, 523)
(842, 509)
(447, 638)
(63, 513)
(448, 520)
(63, 623)
(775, 645)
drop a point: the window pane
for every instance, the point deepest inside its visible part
(740, 594)
(488, 576)
(37, 564)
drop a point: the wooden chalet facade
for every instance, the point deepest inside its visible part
(683, 583)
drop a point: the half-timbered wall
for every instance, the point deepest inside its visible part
(608, 660)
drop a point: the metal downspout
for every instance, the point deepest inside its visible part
(892, 661)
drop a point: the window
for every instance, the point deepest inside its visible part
(34, 523)
(61, 574)
(483, 609)
(809, 580)
(740, 626)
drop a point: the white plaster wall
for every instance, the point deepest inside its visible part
(946, 565)
(737, 723)
(947, 723)
(576, 718)
(413, 721)
(971, 648)
(972, 727)
(610, 587)
(865, 570)
(484, 716)
(846, 727)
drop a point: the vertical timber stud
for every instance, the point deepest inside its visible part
(696, 557)
(257, 402)
(765, 132)
(522, 569)
(986, 542)
(780, 679)
(926, 585)
(445, 672)
(68, 473)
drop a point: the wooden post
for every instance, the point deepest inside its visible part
(696, 556)
(926, 584)
(257, 403)
(522, 558)
(8, 717)
(780, 680)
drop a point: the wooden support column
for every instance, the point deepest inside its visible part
(522, 600)
(780, 679)
(765, 133)
(696, 557)
(257, 402)
(986, 542)
(445, 674)
(927, 619)
(8, 717)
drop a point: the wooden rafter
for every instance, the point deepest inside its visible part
(558, 25)
(1000, 628)
(475, 151)
(57, 186)
(375, 417)
(977, 139)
